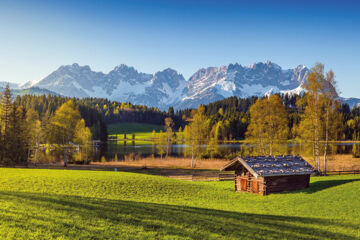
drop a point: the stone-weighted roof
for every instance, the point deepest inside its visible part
(264, 166)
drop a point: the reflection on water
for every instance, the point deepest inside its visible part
(177, 150)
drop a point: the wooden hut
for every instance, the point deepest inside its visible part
(267, 174)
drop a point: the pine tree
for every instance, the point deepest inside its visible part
(5, 111)
(18, 135)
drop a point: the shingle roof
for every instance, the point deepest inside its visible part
(263, 166)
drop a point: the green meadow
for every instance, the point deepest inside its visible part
(142, 131)
(70, 204)
(132, 127)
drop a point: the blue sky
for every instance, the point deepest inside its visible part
(36, 37)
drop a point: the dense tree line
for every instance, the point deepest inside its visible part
(114, 112)
(230, 116)
(29, 124)
(14, 128)
(45, 107)
(234, 115)
(97, 111)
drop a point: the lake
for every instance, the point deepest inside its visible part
(177, 150)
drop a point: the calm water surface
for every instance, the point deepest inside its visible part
(177, 150)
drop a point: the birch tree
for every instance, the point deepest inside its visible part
(311, 124)
(195, 134)
(321, 121)
(276, 122)
(62, 126)
(169, 134)
(82, 136)
(268, 124)
(332, 116)
(161, 142)
(35, 133)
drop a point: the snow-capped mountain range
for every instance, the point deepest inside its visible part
(211, 84)
(169, 88)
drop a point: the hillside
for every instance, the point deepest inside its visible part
(49, 204)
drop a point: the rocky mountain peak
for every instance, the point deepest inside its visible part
(124, 68)
(168, 87)
(168, 76)
(127, 74)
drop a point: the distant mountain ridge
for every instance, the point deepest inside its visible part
(211, 84)
(123, 83)
(16, 90)
(169, 88)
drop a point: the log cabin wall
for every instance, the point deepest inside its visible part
(286, 183)
(268, 174)
(245, 182)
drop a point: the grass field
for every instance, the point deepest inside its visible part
(60, 204)
(130, 127)
(142, 131)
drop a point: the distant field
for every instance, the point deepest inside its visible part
(70, 204)
(142, 131)
(128, 128)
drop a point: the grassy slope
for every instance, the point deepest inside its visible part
(82, 204)
(128, 128)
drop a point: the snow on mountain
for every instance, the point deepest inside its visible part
(123, 83)
(164, 89)
(259, 79)
(169, 88)
(72, 80)
(296, 91)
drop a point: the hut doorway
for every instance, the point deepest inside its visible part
(244, 184)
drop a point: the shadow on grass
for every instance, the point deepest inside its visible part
(157, 171)
(80, 217)
(325, 184)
